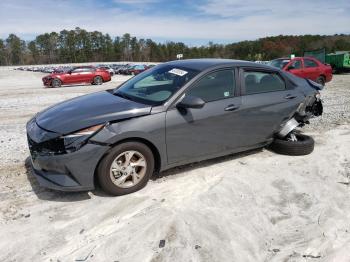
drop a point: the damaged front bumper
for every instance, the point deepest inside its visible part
(68, 172)
(59, 170)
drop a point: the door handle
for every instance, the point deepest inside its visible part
(231, 107)
(289, 96)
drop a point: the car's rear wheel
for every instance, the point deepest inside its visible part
(97, 80)
(126, 169)
(321, 80)
(56, 83)
(294, 145)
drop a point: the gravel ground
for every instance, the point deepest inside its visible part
(336, 102)
(256, 206)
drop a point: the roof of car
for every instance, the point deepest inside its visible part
(205, 63)
(288, 58)
(75, 67)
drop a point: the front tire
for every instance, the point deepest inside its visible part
(126, 169)
(303, 145)
(97, 80)
(56, 83)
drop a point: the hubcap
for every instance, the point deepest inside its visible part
(128, 169)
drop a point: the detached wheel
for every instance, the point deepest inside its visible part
(56, 83)
(97, 80)
(293, 145)
(126, 169)
(321, 80)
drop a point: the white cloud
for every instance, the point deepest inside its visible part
(299, 9)
(217, 20)
(133, 2)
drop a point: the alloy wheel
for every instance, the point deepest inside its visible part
(128, 169)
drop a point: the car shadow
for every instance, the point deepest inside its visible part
(48, 194)
(59, 196)
(205, 163)
(74, 85)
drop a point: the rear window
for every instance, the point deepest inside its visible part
(310, 63)
(262, 82)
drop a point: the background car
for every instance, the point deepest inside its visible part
(107, 68)
(83, 74)
(136, 69)
(123, 69)
(173, 114)
(305, 67)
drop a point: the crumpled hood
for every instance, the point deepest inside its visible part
(89, 110)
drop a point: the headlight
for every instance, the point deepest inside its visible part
(76, 140)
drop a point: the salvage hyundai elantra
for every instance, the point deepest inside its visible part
(175, 113)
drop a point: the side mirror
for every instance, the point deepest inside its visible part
(191, 102)
(290, 68)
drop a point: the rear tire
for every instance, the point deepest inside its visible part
(321, 80)
(303, 146)
(56, 83)
(114, 167)
(97, 80)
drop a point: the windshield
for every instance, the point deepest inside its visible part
(156, 85)
(279, 63)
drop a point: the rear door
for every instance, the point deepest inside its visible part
(312, 69)
(267, 100)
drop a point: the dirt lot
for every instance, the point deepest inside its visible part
(256, 206)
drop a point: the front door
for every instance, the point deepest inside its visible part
(196, 134)
(75, 76)
(297, 67)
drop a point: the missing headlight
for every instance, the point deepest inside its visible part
(76, 140)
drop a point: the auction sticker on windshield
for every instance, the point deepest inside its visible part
(178, 72)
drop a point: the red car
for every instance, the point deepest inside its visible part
(136, 69)
(305, 67)
(82, 74)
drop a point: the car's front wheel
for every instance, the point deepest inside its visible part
(56, 83)
(97, 80)
(126, 169)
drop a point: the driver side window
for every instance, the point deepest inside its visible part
(214, 86)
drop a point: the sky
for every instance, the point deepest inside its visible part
(193, 22)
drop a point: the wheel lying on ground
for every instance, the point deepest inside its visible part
(293, 145)
(56, 83)
(321, 80)
(126, 169)
(97, 80)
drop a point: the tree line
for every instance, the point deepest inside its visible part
(79, 45)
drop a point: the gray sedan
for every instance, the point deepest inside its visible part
(173, 114)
